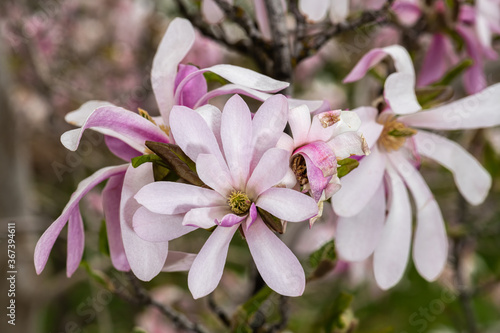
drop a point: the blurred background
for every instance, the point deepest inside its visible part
(56, 54)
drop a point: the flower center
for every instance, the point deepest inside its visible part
(239, 202)
(299, 168)
(395, 133)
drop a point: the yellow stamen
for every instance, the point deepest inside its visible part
(239, 202)
(395, 133)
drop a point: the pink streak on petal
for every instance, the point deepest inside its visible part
(230, 220)
(76, 241)
(194, 89)
(368, 61)
(207, 268)
(111, 205)
(146, 259)
(321, 155)
(358, 236)
(317, 181)
(120, 148)
(434, 64)
(287, 204)
(47, 240)
(277, 265)
(392, 252)
(252, 217)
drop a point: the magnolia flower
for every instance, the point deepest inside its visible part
(126, 133)
(316, 10)
(241, 166)
(316, 147)
(381, 180)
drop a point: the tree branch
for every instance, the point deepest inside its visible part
(218, 311)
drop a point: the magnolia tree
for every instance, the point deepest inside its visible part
(232, 152)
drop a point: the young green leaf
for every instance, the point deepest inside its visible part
(346, 166)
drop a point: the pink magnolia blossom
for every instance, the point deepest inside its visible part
(315, 147)
(125, 133)
(382, 179)
(241, 166)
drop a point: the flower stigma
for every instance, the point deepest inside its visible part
(239, 202)
(395, 133)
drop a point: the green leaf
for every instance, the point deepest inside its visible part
(138, 330)
(212, 77)
(454, 72)
(136, 161)
(245, 311)
(337, 315)
(323, 260)
(176, 161)
(271, 221)
(433, 95)
(103, 239)
(346, 166)
(98, 276)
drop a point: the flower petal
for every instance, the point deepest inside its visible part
(274, 159)
(314, 10)
(154, 227)
(434, 65)
(430, 246)
(358, 236)
(212, 116)
(392, 252)
(146, 259)
(213, 175)
(171, 198)
(399, 92)
(287, 204)
(236, 135)
(267, 126)
(178, 261)
(277, 265)
(472, 180)
(76, 242)
(79, 116)
(47, 240)
(369, 127)
(207, 268)
(194, 89)
(205, 217)
(121, 149)
(299, 119)
(359, 186)
(476, 111)
(231, 219)
(317, 181)
(211, 11)
(111, 206)
(347, 144)
(174, 46)
(193, 134)
(339, 10)
(114, 121)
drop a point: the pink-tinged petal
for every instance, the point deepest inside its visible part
(274, 159)
(299, 119)
(173, 47)
(476, 111)
(213, 175)
(230, 220)
(287, 204)
(359, 186)
(434, 65)
(472, 180)
(207, 268)
(339, 10)
(146, 259)
(212, 116)
(236, 135)
(277, 265)
(363, 66)
(358, 236)
(47, 240)
(211, 11)
(178, 261)
(399, 92)
(121, 149)
(333, 187)
(252, 217)
(317, 181)
(111, 206)
(369, 127)
(321, 155)
(194, 89)
(267, 125)
(171, 198)
(408, 13)
(262, 18)
(285, 142)
(122, 124)
(474, 77)
(392, 252)
(347, 144)
(313, 106)
(206, 217)
(76, 242)
(314, 10)
(154, 227)
(348, 121)
(193, 134)
(430, 246)
(79, 116)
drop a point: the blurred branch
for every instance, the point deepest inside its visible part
(142, 297)
(218, 311)
(284, 310)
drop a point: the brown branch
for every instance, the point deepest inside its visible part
(218, 311)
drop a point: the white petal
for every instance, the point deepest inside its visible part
(299, 119)
(314, 10)
(154, 227)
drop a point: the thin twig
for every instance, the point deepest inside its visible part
(218, 311)
(142, 297)
(284, 310)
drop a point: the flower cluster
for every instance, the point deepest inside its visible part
(251, 172)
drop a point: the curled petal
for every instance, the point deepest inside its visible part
(76, 242)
